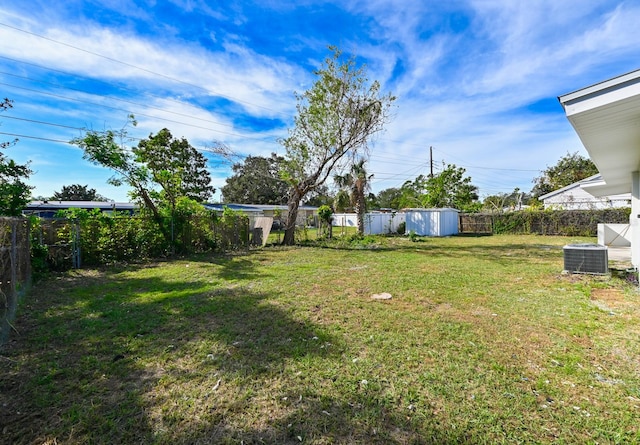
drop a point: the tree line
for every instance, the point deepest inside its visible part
(451, 187)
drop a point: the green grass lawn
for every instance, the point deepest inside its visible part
(484, 341)
(310, 234)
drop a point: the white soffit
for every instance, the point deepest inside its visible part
(606, 117)
(603, 189)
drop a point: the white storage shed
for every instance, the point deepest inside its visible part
(374, 223)
(432, 222)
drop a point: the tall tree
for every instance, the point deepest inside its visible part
(450, 188)
(389, 198)
(569, 169)
(342, 201)
(411, 193)
(174, 164)
(257, 181)
(155, 163)
(14, 191)
(335, 120)
(501, 201)
(358, 182)
(319, 197)
(77, 192)
(109, 149)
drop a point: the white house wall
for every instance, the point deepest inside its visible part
(634, 219)
(618, 235)
(579, 199)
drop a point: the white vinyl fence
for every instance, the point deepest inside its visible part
(374, 223)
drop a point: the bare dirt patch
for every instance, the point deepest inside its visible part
(613, 298)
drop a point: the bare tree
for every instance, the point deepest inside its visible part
(336, 119)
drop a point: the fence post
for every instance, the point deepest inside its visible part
(75, 246)
(13, 258)
(10, 280)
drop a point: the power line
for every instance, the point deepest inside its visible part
(501, 169)
(395, 160)
(487, 168)
(58, 96)
(111, 59)
(41, 122)
(205, 149)
(151, 107)
(123, 100)
(35, 137)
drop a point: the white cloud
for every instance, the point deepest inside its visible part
(262, 85)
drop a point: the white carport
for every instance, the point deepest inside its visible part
(606, 117)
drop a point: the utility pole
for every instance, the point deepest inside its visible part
(431, 160)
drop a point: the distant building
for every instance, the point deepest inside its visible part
(48, 209)
(574, 197)
(305, 213)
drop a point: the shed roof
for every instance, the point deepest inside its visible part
(433, 209)
(61, 205)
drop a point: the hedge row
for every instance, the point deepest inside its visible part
(547, 222)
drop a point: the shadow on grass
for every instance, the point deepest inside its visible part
(93, 349)
(106, 358)
(325, 420)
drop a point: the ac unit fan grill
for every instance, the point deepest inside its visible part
(586, 258)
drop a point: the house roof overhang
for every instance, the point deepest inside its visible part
(606, 117)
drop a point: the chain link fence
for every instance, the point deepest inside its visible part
(63, 243)
(15, 269)
(44, 245)
(554, 222)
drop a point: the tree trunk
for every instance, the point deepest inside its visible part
(156, 216)
(361, 208)
(292, 217)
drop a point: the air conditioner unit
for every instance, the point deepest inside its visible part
(586, 258)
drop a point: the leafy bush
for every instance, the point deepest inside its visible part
(94, 238)
(233, 229)
(324, 213)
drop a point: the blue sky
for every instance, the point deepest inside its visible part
(476, 80)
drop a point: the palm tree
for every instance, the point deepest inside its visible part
(357, 181)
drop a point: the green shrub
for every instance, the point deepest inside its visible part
(97, 238)
(549, 222)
